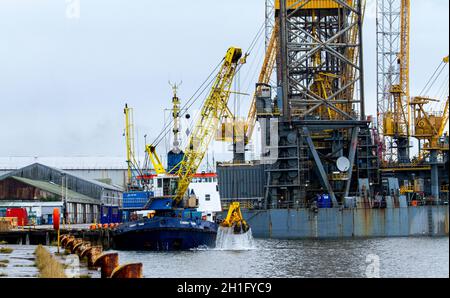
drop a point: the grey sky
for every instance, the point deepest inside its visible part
(63, 82)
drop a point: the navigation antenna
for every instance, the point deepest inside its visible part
(176, 117)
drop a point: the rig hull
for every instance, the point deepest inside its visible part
(349, 223)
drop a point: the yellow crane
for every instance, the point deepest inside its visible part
(129, 136)
(214, 108)
(430, 125)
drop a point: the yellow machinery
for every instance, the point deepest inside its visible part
(316, 4)
(155, 160)
(430, 126)
(235, 219)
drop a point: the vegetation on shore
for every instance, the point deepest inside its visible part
(6, 250)
(48, 266)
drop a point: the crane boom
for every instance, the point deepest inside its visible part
(213, 110)
(155, 160)
(405, 59)
(446, 107)
(401, 114)
(444, 118)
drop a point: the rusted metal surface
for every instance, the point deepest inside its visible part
(80, 247)
(65, 239)
(71, 244)
(347, 223)
(92, 254)
(107, 263)
(128, 271)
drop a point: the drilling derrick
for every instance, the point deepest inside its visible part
(394, 111)
(324, 137)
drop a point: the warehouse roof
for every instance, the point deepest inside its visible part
(72, 196)
(66, 162)
(29, 172)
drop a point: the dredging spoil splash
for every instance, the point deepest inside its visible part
(228, 240)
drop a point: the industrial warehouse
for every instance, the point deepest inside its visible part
(290, 151)
(39, 189)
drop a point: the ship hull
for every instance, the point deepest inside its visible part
(162, 234)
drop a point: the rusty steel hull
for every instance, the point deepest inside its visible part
(349, 223)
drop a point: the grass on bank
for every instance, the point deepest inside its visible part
(48, 266)
(4, 261)
(6, 250)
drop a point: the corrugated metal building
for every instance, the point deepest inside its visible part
(241, 182)
(39, 183)
(112, 170)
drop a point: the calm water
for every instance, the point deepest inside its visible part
(398, 257)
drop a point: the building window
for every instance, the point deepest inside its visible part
(207, 197)
(160, 184)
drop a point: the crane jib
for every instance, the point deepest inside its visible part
(212, 113)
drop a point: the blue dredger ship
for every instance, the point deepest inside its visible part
(164, 227)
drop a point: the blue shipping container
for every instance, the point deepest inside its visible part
(110, 215)
(173, 161)
(136, 200)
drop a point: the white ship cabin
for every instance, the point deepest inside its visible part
(206, 188)
(204, 185)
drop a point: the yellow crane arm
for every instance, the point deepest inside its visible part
(264, 78)
(444, 118)
(214, 108)
(446, 107)
(154, 158)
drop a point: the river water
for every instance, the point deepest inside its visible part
(376, 257)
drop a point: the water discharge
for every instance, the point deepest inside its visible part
(227, 240)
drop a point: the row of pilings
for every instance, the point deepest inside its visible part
(97, 258)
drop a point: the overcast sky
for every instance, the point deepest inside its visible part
(64, 80)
